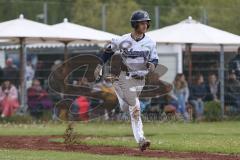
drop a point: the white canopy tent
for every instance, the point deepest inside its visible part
(83, 32)
(84, 36)
(23, 31)
(31, 31)
(61, 32)
(190, 32)
(47, 44)
(193, 32)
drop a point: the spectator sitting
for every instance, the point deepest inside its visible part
(8, 99)
(144, 103)
(213, 87)
(170, 104)
(180, 93)
(232, 90)
(81, 104)
(38, 99)
(11, 73)
(198, 92)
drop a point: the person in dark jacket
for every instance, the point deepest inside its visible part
(232, 91)
(198, 92)
(11, 73)
(234, 64)
(38, 99)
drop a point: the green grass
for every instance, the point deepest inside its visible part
(52, 155)
(222, 137)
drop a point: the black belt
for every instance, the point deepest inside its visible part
(135, 76)
(124, 68)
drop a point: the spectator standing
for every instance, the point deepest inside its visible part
(234, 64)
(232, 84)
(232, 91)
(11, 73)
(29, 73)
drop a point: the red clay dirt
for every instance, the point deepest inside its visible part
(43, 143)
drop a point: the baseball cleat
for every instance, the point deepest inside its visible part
(144, 144)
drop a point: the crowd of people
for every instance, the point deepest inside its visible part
(194, 94)
(201, 91)
(37, 97)
(182, 95)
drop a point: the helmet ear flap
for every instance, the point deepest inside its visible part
(148, 25)
(133, 24)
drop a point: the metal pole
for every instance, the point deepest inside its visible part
(104, 17)
(65, 71)
(23, 58)
(45, 12)
(188, 52)
(65, 51)
(204, 16)
(222, 78)
(156, 17)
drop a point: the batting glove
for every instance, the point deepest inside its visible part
(150, 66)
(98, 72)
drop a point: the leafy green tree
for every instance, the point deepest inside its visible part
(217, 13)
(223, 14)
(118, 13)
(88, 13)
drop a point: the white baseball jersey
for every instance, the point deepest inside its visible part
(135, 54)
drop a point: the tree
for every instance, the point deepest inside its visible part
(118, 15)
(87, 13)
(118, 12)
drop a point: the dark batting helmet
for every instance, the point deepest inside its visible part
(139, 16)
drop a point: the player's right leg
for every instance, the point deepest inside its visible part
(137, 126)
(127, 93)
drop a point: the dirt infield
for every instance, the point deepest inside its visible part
(43, 143)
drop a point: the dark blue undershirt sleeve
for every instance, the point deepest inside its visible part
(107, 54)
(154, 61)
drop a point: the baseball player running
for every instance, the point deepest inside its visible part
(139, 57)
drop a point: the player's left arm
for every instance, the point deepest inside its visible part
(153, 59)
(110, 49)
